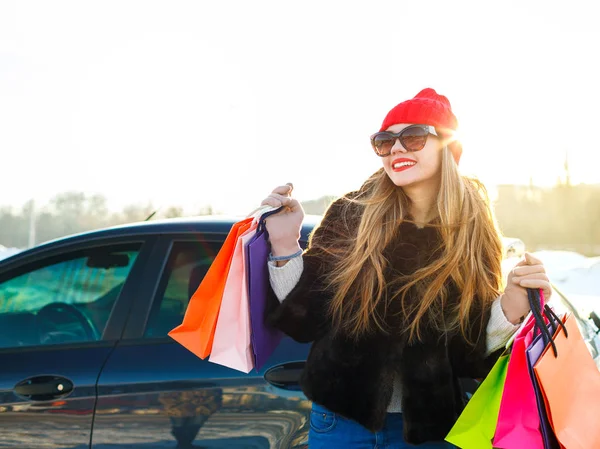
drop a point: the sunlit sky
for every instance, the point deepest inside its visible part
(217, 102)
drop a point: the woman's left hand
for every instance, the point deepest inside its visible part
(529, 273)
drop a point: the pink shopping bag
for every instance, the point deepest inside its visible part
(518, 423)
(232, 342)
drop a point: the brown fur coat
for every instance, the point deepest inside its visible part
(355, 378)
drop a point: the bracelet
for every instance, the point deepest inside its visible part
(280, 258)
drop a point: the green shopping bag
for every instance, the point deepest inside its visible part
(476, 425)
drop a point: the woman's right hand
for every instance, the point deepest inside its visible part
(284, 227)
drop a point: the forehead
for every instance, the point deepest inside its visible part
(398, 127)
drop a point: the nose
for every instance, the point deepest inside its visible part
(398, 147)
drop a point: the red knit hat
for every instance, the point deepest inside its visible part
(426, 108)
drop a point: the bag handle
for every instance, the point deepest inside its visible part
(536, 303)
(262, 212)
(261, 220)
(543, 313)
(256, 213)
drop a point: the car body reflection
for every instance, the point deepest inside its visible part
(248, 417)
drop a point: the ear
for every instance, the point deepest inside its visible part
(456, 149)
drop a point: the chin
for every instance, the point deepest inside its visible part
(401, 180)
(412, 178)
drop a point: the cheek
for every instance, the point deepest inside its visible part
(432, 161)
(435, 162)
(430, 168)
(387, 164)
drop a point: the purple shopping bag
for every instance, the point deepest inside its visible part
(534, 351)
(543, 314)
(264, 338)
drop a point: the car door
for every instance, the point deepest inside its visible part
(61, 312)
(155, 393)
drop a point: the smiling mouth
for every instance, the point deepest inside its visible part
(403, 165)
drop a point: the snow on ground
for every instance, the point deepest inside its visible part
(6, 252)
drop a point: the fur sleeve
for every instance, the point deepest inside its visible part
(303, 314)
(470, 360)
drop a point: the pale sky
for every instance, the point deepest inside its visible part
(217, 102)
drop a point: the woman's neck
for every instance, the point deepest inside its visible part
(422, 202)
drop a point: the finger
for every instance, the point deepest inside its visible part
(536, 283)
(284, 199)
(524, 270)
(532, 276)
(283, 190)
(529, 259)
(270, 201)
(532, 260)
(293, 204)
(522, 263)
(275, 200)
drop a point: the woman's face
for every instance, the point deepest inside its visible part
(411, 168)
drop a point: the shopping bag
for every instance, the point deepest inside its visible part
(542, 337)
(534, 351)
(264, 338)
(570, 383)
(476, 425)
(232, 345)
(196, 332)
(518, 419)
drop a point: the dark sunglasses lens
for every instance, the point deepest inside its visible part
(383, 143)
(414, 139)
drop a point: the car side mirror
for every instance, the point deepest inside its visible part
(596, 319)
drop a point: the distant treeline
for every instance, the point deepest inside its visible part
(69, 213)
(562, 217)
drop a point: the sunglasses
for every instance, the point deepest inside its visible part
(412, 138)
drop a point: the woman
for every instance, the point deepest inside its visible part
(399, 289)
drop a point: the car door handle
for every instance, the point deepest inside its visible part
(44, 388)
(286, 375)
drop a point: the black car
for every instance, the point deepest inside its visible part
(85, 360)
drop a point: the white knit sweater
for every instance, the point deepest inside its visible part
(499, 329)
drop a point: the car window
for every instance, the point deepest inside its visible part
(64, 299)
(186, 266)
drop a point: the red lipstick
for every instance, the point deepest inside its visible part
(402, 164)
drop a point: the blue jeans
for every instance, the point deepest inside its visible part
(329, 430)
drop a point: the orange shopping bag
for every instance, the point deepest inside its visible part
(570, 383)
(232, 346)
(197, 331)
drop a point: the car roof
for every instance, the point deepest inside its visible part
(201, 223)
(214, 224)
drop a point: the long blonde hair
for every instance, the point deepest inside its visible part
(471, 255)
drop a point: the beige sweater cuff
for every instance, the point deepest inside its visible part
(284, 279)
(499, 329)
